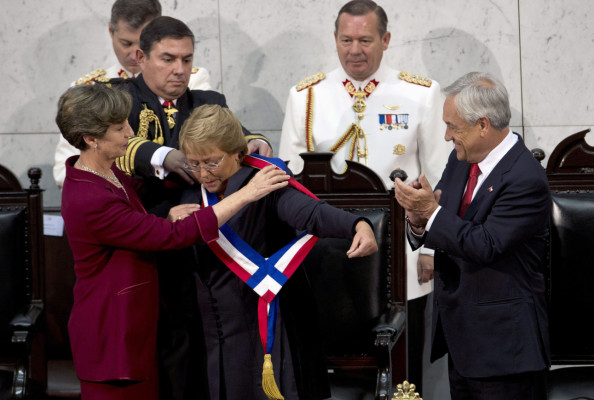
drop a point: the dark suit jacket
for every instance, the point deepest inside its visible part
(113, 323)
(490, 311)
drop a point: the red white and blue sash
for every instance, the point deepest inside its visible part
(266, 276)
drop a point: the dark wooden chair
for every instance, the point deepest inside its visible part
(361, 302)
(570, 171)
(22, 372)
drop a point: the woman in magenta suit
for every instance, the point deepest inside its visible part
(113, 324)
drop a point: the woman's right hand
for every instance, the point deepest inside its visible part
(267, 180)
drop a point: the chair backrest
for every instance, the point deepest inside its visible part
(21, 243)
(21, 287)
(13, 290)
(570, 171)
(352, 294)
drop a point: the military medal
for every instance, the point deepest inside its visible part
(359, 107)
(404, 120)
(393, 121)
(169, 111)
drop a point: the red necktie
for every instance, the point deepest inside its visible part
(475, 171)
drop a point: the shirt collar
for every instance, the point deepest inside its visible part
(162, 100)
(495, 155)
(378, 76)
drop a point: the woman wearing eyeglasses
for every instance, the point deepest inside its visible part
(113, 323)
(242, 268)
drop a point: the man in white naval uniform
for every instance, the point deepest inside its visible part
(128, 18)
(380, 117)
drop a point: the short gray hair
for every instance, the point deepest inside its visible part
(480, 94)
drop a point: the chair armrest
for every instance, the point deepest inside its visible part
(390, 326)
(387, 331)
(26, 322)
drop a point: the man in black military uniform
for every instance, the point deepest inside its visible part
(162, 101)
(161, 104)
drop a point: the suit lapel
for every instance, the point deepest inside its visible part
(456, 187)
(492, 184)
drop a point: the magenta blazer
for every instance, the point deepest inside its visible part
(113, 323)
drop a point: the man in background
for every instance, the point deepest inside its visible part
(384, 118)
(128, 18)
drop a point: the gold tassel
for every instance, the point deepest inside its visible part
(268, 383)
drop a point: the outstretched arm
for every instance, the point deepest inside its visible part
(364, 242)
(267, 180)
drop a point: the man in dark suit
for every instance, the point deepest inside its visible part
(488, 223)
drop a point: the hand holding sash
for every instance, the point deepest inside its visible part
(175, 161)
(267, 180)
(259, 146)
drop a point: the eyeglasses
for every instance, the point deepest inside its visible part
(210, 167)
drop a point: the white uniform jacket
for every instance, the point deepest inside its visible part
(402, 124)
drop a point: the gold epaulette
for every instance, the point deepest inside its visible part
(259, 136)
(89, 78)
(195, 69)
(416, 79)
(310, 81)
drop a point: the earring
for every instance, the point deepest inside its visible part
(95, 146)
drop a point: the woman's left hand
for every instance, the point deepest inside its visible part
(364, 242)
(182, 211)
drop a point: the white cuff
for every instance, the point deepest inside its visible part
(432, 218)
(427, 252)
(157, 161)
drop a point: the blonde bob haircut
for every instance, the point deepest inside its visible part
(213, 125)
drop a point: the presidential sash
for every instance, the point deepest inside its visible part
(266, 276)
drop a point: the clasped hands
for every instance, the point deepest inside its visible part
(418, 200)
